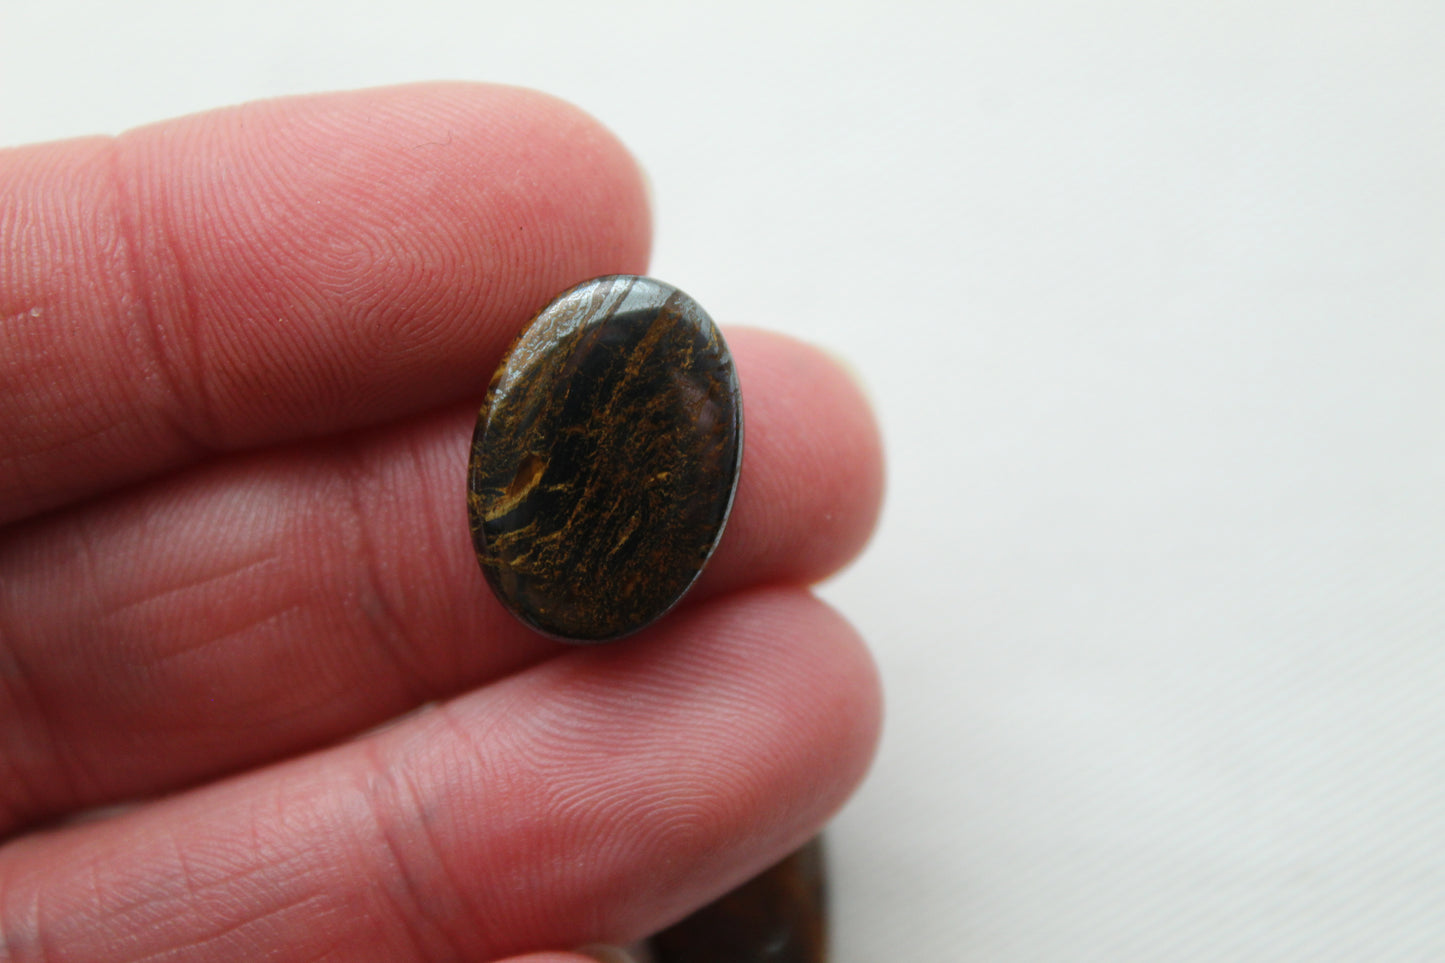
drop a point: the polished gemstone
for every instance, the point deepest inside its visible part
(605, 460)
(779, 916)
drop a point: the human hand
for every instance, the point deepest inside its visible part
(241, 355)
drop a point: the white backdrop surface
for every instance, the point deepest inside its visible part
(1152, 305)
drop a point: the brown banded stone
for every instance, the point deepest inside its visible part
(605, 460)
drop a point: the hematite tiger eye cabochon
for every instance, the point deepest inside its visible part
(605, 459)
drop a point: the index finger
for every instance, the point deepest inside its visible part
(285, 269)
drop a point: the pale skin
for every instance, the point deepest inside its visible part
(241, 355)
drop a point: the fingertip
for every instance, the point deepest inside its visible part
(381, 246)
(783, 709)
(782, 705)
(812, 479)
(606, 196)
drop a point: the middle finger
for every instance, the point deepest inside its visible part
(272, 602)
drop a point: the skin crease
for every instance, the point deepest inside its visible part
(242, 354)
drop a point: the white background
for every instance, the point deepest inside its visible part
(1152, 305)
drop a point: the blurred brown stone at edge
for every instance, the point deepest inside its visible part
(779, 916)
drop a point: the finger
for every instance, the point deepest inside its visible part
(283, 270)
(593, 798)
(299, 595)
